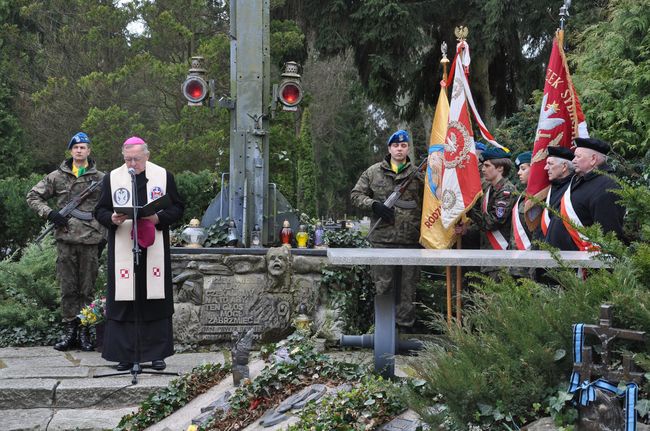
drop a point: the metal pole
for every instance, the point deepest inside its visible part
(250, 83)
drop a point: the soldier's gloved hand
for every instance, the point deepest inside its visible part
(381, 210)
(57, 219)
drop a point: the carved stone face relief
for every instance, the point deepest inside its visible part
(277, 261)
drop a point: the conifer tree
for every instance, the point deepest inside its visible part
(306, 198)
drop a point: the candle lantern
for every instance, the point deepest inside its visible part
(286, 234)
(302, 237)
(194, 235)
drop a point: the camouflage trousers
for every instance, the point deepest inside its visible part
(382, 276)
(76, 270)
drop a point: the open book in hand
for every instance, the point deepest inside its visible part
(150, 209)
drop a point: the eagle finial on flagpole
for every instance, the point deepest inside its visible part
(444, 61)
(564, 14)
(461, 33)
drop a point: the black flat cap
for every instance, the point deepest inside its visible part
(561, 152)
(594, 144)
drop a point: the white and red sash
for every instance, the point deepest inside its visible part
(546, 218)
(521, 238)
(123, 256)
(569, 215)
(497, 240)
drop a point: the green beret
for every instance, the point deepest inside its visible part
(494, 153)
(524, 157)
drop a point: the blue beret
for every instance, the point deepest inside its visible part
(79, 138)
(561, 152)
(494, 153)
(594, 144)
(480, 146)
(523, 158)
(399, 136)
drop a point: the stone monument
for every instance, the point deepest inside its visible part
(217, 294)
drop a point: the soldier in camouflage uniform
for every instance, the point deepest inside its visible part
(493, 214)
(400, 226)
(77, 240)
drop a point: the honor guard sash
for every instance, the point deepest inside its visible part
(569, 216)
(521, 238)
(496, 238)
(123, 257)
(546, 218)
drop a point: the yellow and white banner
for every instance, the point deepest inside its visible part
(432, 233)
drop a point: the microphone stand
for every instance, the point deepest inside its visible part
(137, 251)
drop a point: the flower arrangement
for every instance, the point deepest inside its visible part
(93, 313)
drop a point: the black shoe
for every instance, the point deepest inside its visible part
(123, 366)
(69, 338)
(158, 364)
(84, 339)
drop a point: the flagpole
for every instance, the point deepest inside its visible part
(443, 87)
(461, 34)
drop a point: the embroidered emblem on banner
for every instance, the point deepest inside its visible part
(124, 273)
(156, 192)
(156, 271)
(457, 145)
(448, 199)
(121, 196)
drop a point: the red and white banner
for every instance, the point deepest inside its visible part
(461, 181)
(560, 121)
(518, 230)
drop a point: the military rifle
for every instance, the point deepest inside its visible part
(398, 192)
(70, 209)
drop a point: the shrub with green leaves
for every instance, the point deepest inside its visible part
(350, 290)
(29, 297)
(505, 365)
(18, 224)
(197, 190)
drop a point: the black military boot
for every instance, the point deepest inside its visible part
(85, 341)
(69, 338)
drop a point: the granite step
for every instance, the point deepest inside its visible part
(42, 389)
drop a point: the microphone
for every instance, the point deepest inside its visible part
(131, 172)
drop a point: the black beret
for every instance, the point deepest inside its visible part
(561, 152)
(594, 144)
(494, 153)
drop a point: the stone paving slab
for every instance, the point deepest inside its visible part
(44, 372)
(26, 393)
(27, 419)
(26, 352)
(109, 392)
(181, 362)
(77, 419)
(40, 362)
